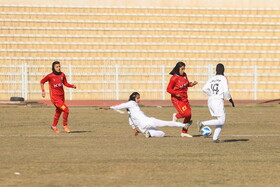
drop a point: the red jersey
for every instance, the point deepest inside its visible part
(56, 83)
(178, 85)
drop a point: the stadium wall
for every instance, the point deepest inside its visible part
(111, 48)
(154, 3)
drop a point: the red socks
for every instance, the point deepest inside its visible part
(56, 118)
(65, 118)
(184, 130)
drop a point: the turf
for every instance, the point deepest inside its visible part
(102, 150)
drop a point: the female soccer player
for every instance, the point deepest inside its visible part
(178, 88)
(140, 122)
(56, 81)
(216, 88)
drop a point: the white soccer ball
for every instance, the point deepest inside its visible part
(206, 131)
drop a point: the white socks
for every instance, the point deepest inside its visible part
(219, 122)
(217, 132)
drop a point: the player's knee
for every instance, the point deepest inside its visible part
(58, 110)
(221, 120)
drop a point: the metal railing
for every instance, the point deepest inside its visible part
(23, 80)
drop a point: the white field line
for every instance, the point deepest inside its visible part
(251, 135)
(58, 135)
(232, 123)
(122, 135)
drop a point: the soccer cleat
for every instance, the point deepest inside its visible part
(186, 135)
(174, 118)
(216, 141)
(55, 129)
(147, 134)
(199, 126)
(66, 128)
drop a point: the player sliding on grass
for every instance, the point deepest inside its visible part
(56, 81)
(178, 88)
(216, 88)
(140, 122)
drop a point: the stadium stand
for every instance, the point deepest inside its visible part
(141, 44)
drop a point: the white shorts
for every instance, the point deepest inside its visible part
(216, 107)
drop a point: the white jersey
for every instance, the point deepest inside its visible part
(217, 88)
(137, 117)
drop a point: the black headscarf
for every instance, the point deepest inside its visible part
(133, 96)
(220, 69)
(55, 72)
(176, 69)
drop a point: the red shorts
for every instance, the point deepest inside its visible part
(183, 108)
(58, 101)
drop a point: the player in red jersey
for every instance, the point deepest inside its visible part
(178, 88)
(56, 81)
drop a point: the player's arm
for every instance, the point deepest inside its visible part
(107, 108)
(135, 130)
(43, 90)
(65, 83)
(206, 89)
(42, 83)
(121, 106)
(228, 96)
(191, 84)
(171, 85)
(232, 103)
(226, 92)
(118, 107)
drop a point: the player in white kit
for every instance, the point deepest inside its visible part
(216, 88)
(140, 122)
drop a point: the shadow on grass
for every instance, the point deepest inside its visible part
(168, 136)
(236, 140)
(197, 135)
(194, 136)
(80, 131)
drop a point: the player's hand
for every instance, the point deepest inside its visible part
(232, 103)
(194, 83)
(136, 132)
(43, 94)
(74, 87)
(178, 95)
